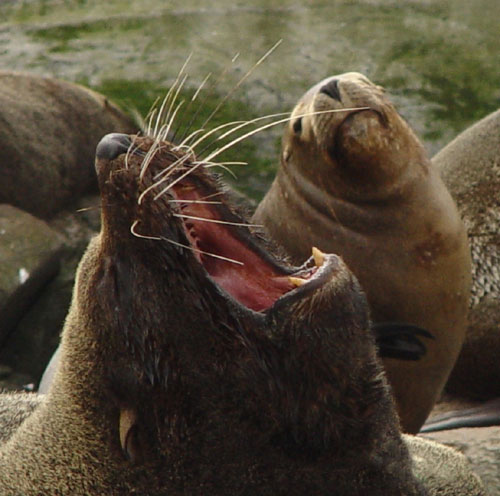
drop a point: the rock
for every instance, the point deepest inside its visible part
(30, 346)
(29, 257)
(482, 448)
(49, 131)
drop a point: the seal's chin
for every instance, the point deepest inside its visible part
(234, 263)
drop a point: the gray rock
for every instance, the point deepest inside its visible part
(48, 133)
(481, 446)
(29, 347)
(29, 258)
(470, 167)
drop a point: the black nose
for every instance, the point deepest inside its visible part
(331, 89)
(112, 145)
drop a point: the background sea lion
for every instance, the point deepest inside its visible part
(359, 183)
(73, 119)
(182, 370)
(470, 167)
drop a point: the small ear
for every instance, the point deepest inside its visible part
(129, 435)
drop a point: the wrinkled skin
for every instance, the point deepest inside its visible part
(358, 183)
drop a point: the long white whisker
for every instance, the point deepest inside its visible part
(196, 201)
(214, 130)
(197, 92)
(167, 171)
(240, 82)
(155, 147)
(216, 221)
(136, 234)
(275, 123)
(197, 250)
(171, 120)
(131, 149)
(180, 178)
(168, 96)
(190, 137)
(209, 165)
(168, 118)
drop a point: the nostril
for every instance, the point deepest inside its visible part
(331, 89)
(112, 145)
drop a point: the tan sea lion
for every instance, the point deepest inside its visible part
(359, 183)
(193, 362)
(470, 167)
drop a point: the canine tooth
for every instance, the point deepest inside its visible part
(318, 255)
(297, 281)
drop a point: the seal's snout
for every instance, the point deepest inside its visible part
(113, 145)
(331, 89)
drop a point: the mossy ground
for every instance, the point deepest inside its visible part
(438, 59)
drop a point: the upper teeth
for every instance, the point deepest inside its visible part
(318, 255)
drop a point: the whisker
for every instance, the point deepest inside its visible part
(150, 115)
(137, 235)
(186, 140)
(205, 99)
(217, 221)
(169, 117)
(275, 123)
(155, 147)
(88, 209)
(197, 250)
(168, 170)
(209, 165)
(241, 81)
(191, 101)
(194, 201)
(173, 183)
(238, 125)
(131, 150)
(215, 129)
(168, 96)
(171, 120)
(167, 173)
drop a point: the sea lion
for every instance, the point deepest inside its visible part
(193, 362)
(59, 123)
(184, 373)
(359, 183)
(470, 167)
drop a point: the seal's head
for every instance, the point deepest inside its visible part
(360, 153)
(219, 356)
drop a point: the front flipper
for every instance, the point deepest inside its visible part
(486, 415)
(402, 341)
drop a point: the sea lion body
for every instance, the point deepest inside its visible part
(470, 167)
(59, 123)
(182, 372)
(358, 183)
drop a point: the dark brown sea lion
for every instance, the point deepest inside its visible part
(192, 362)
(359, 183)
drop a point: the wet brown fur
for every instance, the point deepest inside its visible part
(360, 184)
(292, 401)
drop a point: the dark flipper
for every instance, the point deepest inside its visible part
(397, 340)
(485, 415)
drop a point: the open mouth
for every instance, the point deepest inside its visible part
(225, 248)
